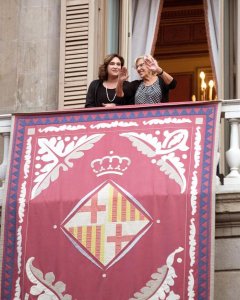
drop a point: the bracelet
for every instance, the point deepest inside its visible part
(161, 73)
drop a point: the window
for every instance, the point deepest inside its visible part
(76, 51)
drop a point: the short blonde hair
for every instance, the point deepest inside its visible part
(137, 59)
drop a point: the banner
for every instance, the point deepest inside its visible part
(111, 204)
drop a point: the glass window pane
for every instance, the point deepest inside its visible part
(112, 26)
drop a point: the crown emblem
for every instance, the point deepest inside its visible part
(110, 164)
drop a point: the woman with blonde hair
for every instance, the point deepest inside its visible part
(153, 86)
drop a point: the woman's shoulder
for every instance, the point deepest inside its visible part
(95, 82)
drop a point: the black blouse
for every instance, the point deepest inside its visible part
(97, 95)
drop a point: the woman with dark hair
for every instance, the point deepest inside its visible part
(102, 92)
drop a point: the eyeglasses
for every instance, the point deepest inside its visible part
(112, 63)
(140, 65)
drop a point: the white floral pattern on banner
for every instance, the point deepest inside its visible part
(44, 287)
(168, 162)
(161, 283)
(57, 153)
(21, 210)
(193, 202)
(61, 128)
(167, 121)
(114, 124)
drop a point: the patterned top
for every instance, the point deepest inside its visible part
(148, 94)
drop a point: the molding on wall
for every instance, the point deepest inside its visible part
(228, 215)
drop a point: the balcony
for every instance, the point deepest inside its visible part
(5, 129)
(228, 185)
(228, 171)
(229, 147)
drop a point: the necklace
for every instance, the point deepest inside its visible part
(110, 100)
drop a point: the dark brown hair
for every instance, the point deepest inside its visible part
(102, 71)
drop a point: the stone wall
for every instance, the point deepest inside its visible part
(227, 247)
(29, 55)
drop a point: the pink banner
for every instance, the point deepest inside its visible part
(111, 204)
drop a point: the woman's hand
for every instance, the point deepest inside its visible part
(109, 104)
(152, 64)
(123, 74)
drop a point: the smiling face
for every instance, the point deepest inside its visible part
(141, 68)
(114, 67)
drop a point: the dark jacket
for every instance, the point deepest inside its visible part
(93, 101)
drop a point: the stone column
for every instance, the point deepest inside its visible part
(29, 48)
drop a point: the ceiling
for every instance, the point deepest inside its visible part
(182, 31)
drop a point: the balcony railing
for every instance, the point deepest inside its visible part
(5, 129)
(229, 147)
(228, 171)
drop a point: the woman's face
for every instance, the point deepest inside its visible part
(141, 68)
(114, 67)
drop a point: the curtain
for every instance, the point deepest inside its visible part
(212, 17)
(144, 29)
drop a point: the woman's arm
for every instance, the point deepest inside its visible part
(167, 78)
(123, 76)
(126, 89)
(90, 97)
